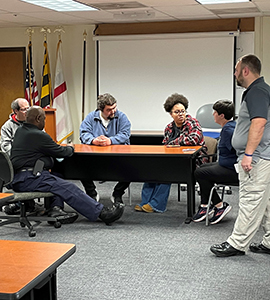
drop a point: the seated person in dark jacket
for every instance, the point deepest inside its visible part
(221, 171)
(32, 144)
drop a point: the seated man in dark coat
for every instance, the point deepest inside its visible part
(30, 145)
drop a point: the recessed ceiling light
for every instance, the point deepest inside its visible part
(61, 5)
(220, 1)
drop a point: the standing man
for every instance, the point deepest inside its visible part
(251, 141)
(16, 119)
(104, 127)
(31, 145)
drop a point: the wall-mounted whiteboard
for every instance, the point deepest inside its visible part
(141, 72)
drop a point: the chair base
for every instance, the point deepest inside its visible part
(26, 219)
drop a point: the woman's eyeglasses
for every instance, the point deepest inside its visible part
(179, 112)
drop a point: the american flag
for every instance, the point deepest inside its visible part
(31, 91)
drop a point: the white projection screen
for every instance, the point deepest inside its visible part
(142, 72)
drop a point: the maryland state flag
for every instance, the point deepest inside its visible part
(31, 91)
(64, 128)
(46, 88)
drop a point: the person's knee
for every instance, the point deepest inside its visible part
(198, 173)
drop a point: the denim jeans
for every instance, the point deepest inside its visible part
(156, 195)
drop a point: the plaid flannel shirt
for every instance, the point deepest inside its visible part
(190, 134)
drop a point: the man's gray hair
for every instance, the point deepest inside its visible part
(15, 104)
(105, 99)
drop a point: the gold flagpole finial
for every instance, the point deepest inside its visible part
(84, 35)
(29, 31)
(59, 30)
(45, 30)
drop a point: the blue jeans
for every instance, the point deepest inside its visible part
(156, 195)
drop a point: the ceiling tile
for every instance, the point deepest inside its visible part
(185, 10)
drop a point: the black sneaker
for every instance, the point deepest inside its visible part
(35, 208)
(201, 214)
(220, 213)
(11, 209)
(62, 216)
(110, 215)
(30, 206)
(117, 199)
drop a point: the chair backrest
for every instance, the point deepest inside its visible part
(205, 116)
(6, 170)
(211, 145)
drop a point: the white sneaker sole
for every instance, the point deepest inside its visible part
(211, 212)
(226, 211)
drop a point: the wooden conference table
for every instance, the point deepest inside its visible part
(28, 269)
(134, 163)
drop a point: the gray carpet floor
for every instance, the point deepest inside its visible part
(152, 256)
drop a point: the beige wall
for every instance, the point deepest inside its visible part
(262, 44)
(72, 48)
(72, 51)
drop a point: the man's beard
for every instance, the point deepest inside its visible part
(239, 83)
(111, 117)
(240, 80)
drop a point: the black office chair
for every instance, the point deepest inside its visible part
(204, 115)
(6, 177)
(211, 145)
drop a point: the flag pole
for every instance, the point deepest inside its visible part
(30, 31)
(83, 83)
(59, 30)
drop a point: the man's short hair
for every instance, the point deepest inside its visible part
(252, 62)
(225, 107)
(15, 104)
(105, 99)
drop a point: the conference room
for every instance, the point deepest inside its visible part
(141, 52)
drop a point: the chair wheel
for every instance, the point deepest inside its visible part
(229, 192)
(22, 224)
(57, 224)
(32, 233)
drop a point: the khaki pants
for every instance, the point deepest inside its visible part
(254, 206)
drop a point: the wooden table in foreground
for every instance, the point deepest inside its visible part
(134, 163)
(28, 269)
(6, 196)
